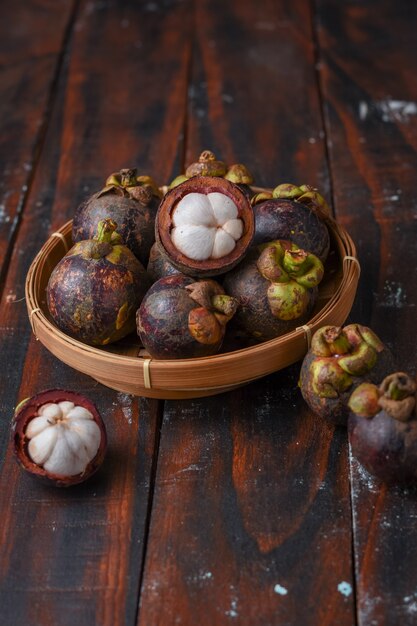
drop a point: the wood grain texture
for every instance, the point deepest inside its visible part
(251, 522)
(253, 95)
(76, 556)
(368, 65)
(32, 39)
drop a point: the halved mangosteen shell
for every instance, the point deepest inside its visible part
(28, 409)
(163, 226)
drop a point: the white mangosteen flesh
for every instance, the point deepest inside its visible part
(206, 226)
(63, 438)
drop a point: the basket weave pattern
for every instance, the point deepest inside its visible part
(120, 367)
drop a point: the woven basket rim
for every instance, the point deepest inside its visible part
(151, 373)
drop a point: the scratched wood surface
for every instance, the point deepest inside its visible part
(369, 53)
(251, 499)
(236, 508)
(76, 556)
(32, 39)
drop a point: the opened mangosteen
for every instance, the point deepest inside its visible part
(276, 287)
(204, 226)
(180, 318)
(131, 201)
(94, 291)
(383, 428)
(338, 361)
(293, 213)
(158, 265)
(59, 437)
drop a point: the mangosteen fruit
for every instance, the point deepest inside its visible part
(339, 360)
(182, 318)
(276, 287)
(158, 265)
(94, 291)
(59, 436)
(129, 200)
(383, 428)
(282, 214)
(204, 226)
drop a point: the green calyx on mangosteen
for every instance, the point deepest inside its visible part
(94, 291)
(339, 360)
(276, 287)
(131, 201)
(184, 318)
(293, 213)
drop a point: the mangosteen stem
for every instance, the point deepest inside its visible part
(225, 305)
(295, 261)
(280, 264)
(398, 396)
(307, 269)
(330, 340)
(398, 386)
(128, 177)
(203, 291)
(207, 155)
(105, 230)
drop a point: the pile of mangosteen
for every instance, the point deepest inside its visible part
(215, 251)
(349, 378)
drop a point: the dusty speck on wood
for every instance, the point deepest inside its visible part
(125, 401)
(344, 588)
(368, 605)
(4, 218)
(232, 612)
(393, 295)
(364, 476)
(280, 590)
(411, 603)
(388, 110)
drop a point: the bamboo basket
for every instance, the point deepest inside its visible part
(125, 367)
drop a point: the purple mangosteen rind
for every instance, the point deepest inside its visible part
(383, 428)
(158, 265)
(386, 448)
(168, 320)
(132, 205)
(282, 218)
(94, 291)
(24, 413)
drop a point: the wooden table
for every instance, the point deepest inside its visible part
(242, 508)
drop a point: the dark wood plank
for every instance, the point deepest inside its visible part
(32, 37)
(251, 520)
(75, 556)
(368, 67)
